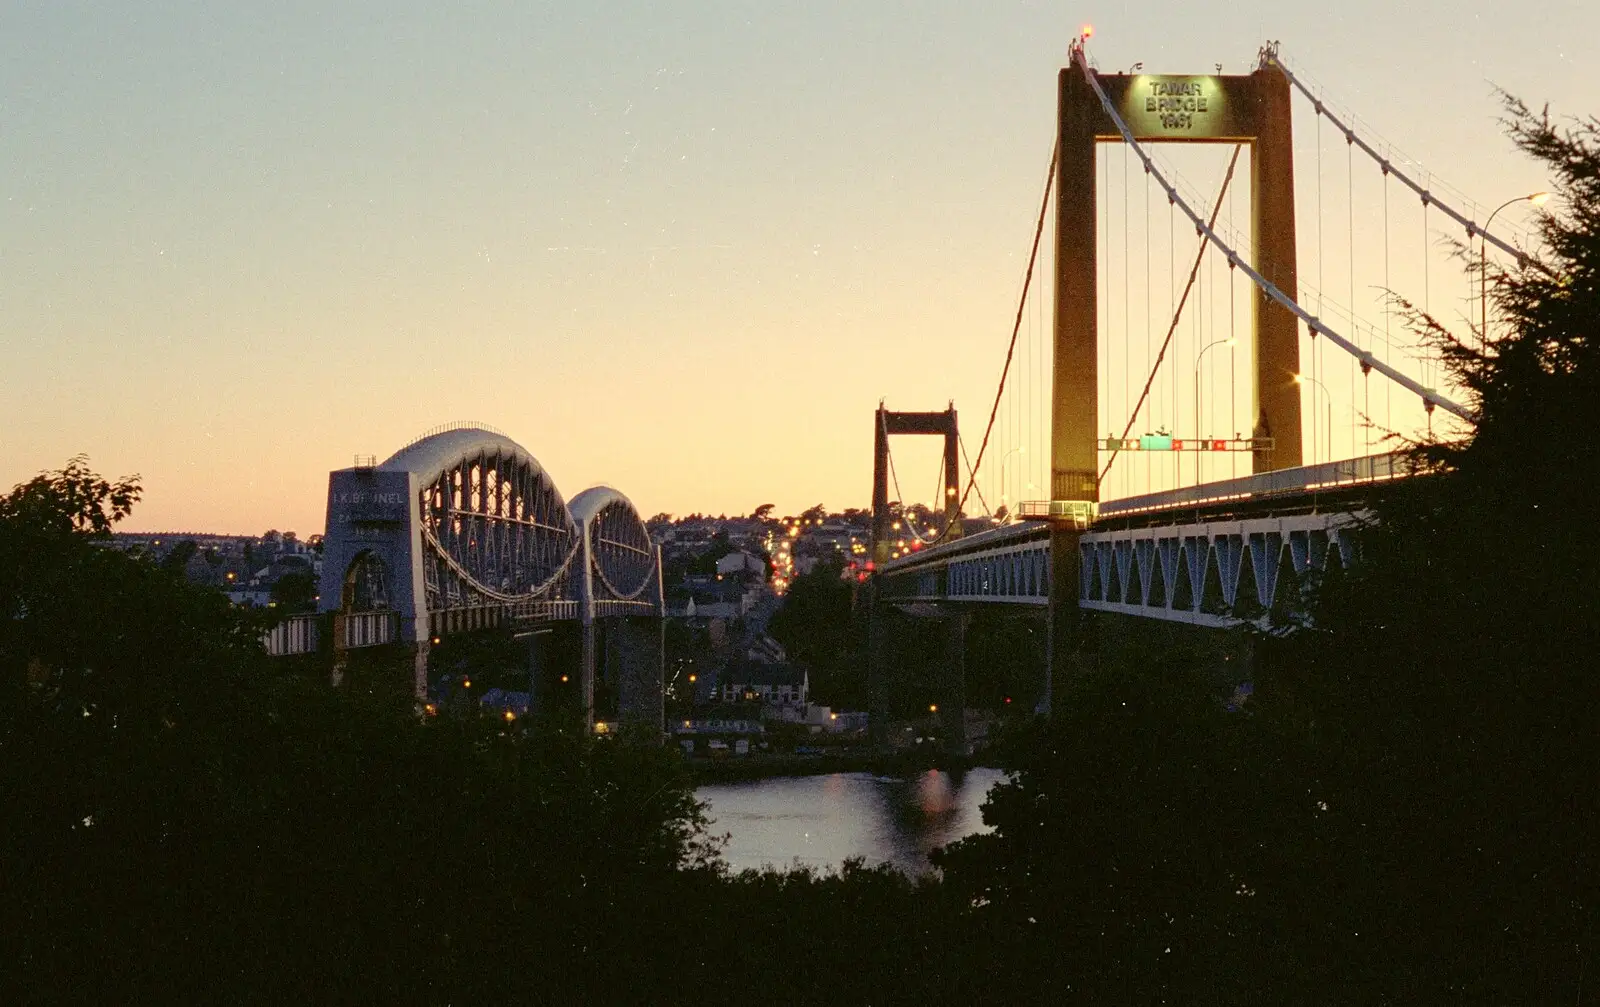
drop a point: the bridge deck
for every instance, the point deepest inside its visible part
(1286, 489)
(1208, 555)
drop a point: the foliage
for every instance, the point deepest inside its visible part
(93, 628)
(817, 629)
(71, 500)
(1448, 690)
(295, 591)
(1405, 810)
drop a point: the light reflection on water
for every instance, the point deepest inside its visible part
(822, 820)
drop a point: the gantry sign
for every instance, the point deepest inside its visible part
(1252, 109)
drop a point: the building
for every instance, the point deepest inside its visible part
(769, 684)
(739, 563)
(721, 720)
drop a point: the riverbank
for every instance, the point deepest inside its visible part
(733, 769)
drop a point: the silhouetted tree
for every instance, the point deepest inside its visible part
(816, 627)
(295, 591)
(1405, 809)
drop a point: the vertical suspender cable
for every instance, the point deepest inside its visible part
(1148, 293)
(1177, 314)
(1127, 320)
(1172, 300)
(1316, 348)
(1431, 396)
(1011, 349)
(1428, 377)
(971, 474)
(1350, 196)
(1026, 394)
(1388, 307)
(1233, 358)
(1104, 287)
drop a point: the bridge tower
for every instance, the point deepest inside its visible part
(463, 530)
(1251, 108)
(887, 423)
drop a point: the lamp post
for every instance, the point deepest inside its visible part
(1019, 449)
(1301, 379)
(1537, 199)
(1230, 341)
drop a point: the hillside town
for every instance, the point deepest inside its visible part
(732, 687)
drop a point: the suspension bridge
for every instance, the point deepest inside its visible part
(1166, 457)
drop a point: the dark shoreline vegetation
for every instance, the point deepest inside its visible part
(1406, 810)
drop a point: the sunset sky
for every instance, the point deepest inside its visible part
(683, 248)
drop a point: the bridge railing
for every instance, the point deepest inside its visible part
(298, 634)
(302, 634)
(1306, 479)
(1077, 513)
(368, 629)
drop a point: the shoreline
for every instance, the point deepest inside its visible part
(739, 769)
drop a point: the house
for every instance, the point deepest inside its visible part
(721, 720)
(769, 684)
(741, 564)
(505, 703)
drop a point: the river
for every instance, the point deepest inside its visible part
(822, 820)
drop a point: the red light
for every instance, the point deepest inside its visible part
(871, 565)
(861, 578)
(1008, 699)
(1088, 31)
(916, 544)
(1219, 445)
(1177, 445)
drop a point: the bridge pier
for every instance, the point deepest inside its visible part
(537, 644)
(397, 670)
(636, 648)
(587, 647)
(953, 699)
(877, 681)
(1064, 639)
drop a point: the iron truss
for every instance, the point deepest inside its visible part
(497, 533)
(1206, 573)
(1217, 573)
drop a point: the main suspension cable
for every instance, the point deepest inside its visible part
(1271, 289)
(1270, 57)
(962, 441)
(1011, 349)
(1177, 314)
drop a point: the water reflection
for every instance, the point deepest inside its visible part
(822, 820)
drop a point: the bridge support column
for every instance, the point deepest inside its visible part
(537, 646)
(877, 682)
(341, 654)
(587, 656)
(394, 671)
(640, 648)
(953, 698)
(419, 668)
(1064, 639)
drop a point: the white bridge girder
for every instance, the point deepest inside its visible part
(1204, 573)
(1208, 555)
(462, 530)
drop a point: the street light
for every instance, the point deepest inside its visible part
(1537, 199)
(1019, 449)
(1230, 341)
(1301, 379)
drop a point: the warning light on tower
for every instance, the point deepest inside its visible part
(1088, 31)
